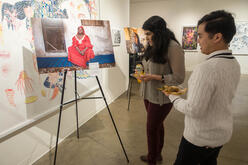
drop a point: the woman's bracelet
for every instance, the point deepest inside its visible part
(162, 78)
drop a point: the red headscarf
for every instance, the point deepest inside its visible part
(81, 27)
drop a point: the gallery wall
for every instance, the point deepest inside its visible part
(29, 145)
(178, 13)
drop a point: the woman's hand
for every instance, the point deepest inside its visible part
(146, 77)
(83, 51)
(80, 52)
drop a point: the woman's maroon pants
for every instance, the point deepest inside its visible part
(155, 129)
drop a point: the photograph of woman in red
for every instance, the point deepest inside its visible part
(81, 50)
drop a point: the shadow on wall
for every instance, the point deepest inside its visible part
(112, 83)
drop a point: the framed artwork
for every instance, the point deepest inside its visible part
(189, 38)
(239, 43)
(116, 37)
(135, 40)
(61, 45)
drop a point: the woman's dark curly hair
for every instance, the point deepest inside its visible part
(161, 39)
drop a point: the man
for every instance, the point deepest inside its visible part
(211, 88)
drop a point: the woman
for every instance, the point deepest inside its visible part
(163, 64)
(81, 50)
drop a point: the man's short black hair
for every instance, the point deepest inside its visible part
(219, 21)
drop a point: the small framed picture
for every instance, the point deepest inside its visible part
(189, 38)
(116, 37)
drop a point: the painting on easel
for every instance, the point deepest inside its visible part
(61, 44)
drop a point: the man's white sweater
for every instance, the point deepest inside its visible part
(211, 88)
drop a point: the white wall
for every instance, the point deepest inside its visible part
(28, 146)
(179, 13)
(118, 12)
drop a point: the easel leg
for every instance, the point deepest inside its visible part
(128, 88)
(75, 77)
(60, 113)
(112, 119)
(129, 92)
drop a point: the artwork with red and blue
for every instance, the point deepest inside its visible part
(61, 44)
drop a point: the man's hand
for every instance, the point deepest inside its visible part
(166, 93)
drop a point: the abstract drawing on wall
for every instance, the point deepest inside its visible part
(10, 93)
(135, 40)
(116, 37)
(239, 43)
(92, 8)
(189, 38)
(61, 45)
(53, 81)
(24, 83)
(81, 9)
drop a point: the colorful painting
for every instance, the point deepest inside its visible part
(135, 40)
(239, 43)
(189, 38)
(60, 45)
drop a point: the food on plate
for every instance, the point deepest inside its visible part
(173, 90)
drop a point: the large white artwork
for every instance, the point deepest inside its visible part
(239, 44)
(24, 93)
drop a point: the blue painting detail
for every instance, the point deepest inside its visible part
(54, 62)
